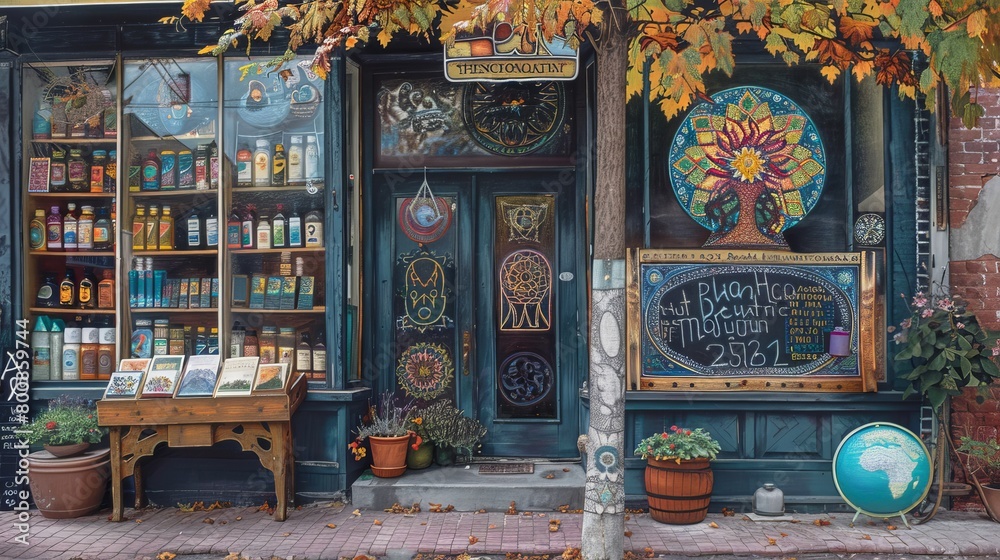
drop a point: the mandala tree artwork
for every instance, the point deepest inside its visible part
(747, 166)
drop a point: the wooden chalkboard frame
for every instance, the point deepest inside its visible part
(863, 376)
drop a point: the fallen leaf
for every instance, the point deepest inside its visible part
(512, 510)
(376, 522)
(784, 534)
(565, 469)
(562, 508)
(571, 554)
(481, 511)
(491, 526)
(285, 534)
(331, 526)
(550, 476)
(239, 518)
(648, 552)
(866, 537)
(356, 512)
(871, 523)
(795, 521)
(166, 556)
(543, 515)
(264, 507)
(473, 539)
(628, 533)
(423, 523)
(891, 527)
(771, 542)
(553, 528)
(208, 520)
(726, 512)
(745, 518)
(449, 507)
(713, 525)
(223, 522)
(138, 520)
(820, 522)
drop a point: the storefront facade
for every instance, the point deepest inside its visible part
(455, 238)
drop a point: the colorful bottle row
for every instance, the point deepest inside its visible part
(169, 170)
(87, 293)
(160, 337)
(89, 230)
(76, 173)
(278, 345)
(154, 232)
(247, 230)
(77, 350)
(267, 167)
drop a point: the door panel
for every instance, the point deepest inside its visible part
(469, 303)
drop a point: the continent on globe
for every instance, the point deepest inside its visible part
(895, 463)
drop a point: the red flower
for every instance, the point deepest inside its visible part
(416, 444)
(664, 434)
(50, 425)
(673, 428)
(687, 433)
(353, 445)
(672, 446)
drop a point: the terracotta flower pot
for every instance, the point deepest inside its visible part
(421, 457)
(992, 494)
(65, 487)
(389, 455)
(679, 493)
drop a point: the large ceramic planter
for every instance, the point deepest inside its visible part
(678, 493)
(389, 455)
(444, 455)
(421, 457)
(992, 494)
(71, 486)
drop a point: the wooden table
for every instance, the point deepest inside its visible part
(138, 426)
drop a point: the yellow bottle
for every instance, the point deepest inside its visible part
(139, 228)
(166, 230)
(153, 229)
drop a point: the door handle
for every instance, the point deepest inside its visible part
(466, 350)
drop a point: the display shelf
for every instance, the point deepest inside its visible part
(75, 141)
(287, 188)
(71, 253)
(314, 310)
(176, 253)
(174, 309)
(182, 138)
(180, 192)
(72, 195)
(70, 311)
(278, 250)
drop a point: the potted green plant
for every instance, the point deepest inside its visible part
(420, 455)
(678, 477)
(386, 426)
(66, 480)
(452, 432)
(982, 459)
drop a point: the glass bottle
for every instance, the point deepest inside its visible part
(314, 228)
(234, 238)
(54, 229)
(85, 229)
(193, 230)
(312, 164)
(70, 234)
(48, 292)
(41, 123)
(99, 159)
(278, 166)
(153, 229)
(319, 357)
(244, 167)
(106, 290)
(264, 233)
(295, 172)
(295, 229)
(135, 173)
(262, 164)
(211, 229)
(111, 172)
(102, 231)
(150, 175)
(278, 229)
(248, 230)
(58, 174)
(139, 228)
(166, 230)
(303, 353)
(77, 172)
(37, 231)
(86, 290)
(67, 289)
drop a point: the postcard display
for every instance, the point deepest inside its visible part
(216, 228)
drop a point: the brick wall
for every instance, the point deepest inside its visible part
(973, 161)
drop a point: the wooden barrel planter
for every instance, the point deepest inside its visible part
(678, 493)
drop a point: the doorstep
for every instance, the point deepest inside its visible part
(551, 486)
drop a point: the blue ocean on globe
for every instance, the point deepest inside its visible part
(882, 469)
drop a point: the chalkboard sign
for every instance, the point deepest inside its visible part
(750, 320)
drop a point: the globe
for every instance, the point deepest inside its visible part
(882, 469)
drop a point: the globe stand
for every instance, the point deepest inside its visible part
(901, 516)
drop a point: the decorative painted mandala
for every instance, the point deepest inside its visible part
(423, 222)
(525, 378)
(869, 229)
(425, 370)
(513, 118)
(748, 166)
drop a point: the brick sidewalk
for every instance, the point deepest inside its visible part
(306, 535)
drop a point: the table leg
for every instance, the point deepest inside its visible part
(117, 507)
(280, 450)
(140, 495)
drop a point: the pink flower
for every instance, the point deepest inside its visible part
(927, 313)
(906, 323)
(919, 300)
(945, 304)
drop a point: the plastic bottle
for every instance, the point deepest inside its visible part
(314, 228)
(248, 230)
(106, 290)
(85, 229)
(166, 230)
(211, 230)
(263, 233)
(295, 229)
(233, 226)
(54, 229)
(99, 159)
(58, 174)
(37, 231)
(295, 172)
(153, 229)
(312, 166)
(168, 170)
(193, 230)
(102, 231)
(278, 229)
(77, 172)
(71, 352)
(56, 342)
(139, 228)
(244, 167)
(86, 290)
(278, 166)
(262, 164)
(41, 361)
(150, 175)
(69, 228)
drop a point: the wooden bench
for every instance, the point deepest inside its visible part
(260, 423)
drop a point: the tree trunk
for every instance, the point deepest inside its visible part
(603, 535)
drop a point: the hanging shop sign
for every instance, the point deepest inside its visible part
(752, 320)
(511, 53)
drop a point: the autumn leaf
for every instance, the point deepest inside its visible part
(866, 537)
(331, 526)
(376, 522)
(976, 23)
(830, 73)
(935, 9)
(771, 542)
(628, 533)
(854, 30)
(713, 525)
(195, 9)
(166, 556)
(473, 539)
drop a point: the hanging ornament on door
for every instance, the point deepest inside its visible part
(424, 218)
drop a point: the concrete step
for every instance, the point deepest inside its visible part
(551, 485)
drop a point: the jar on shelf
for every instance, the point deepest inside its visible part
(77, 172)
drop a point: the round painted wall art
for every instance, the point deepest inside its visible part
(425, 370)
(424, 221)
